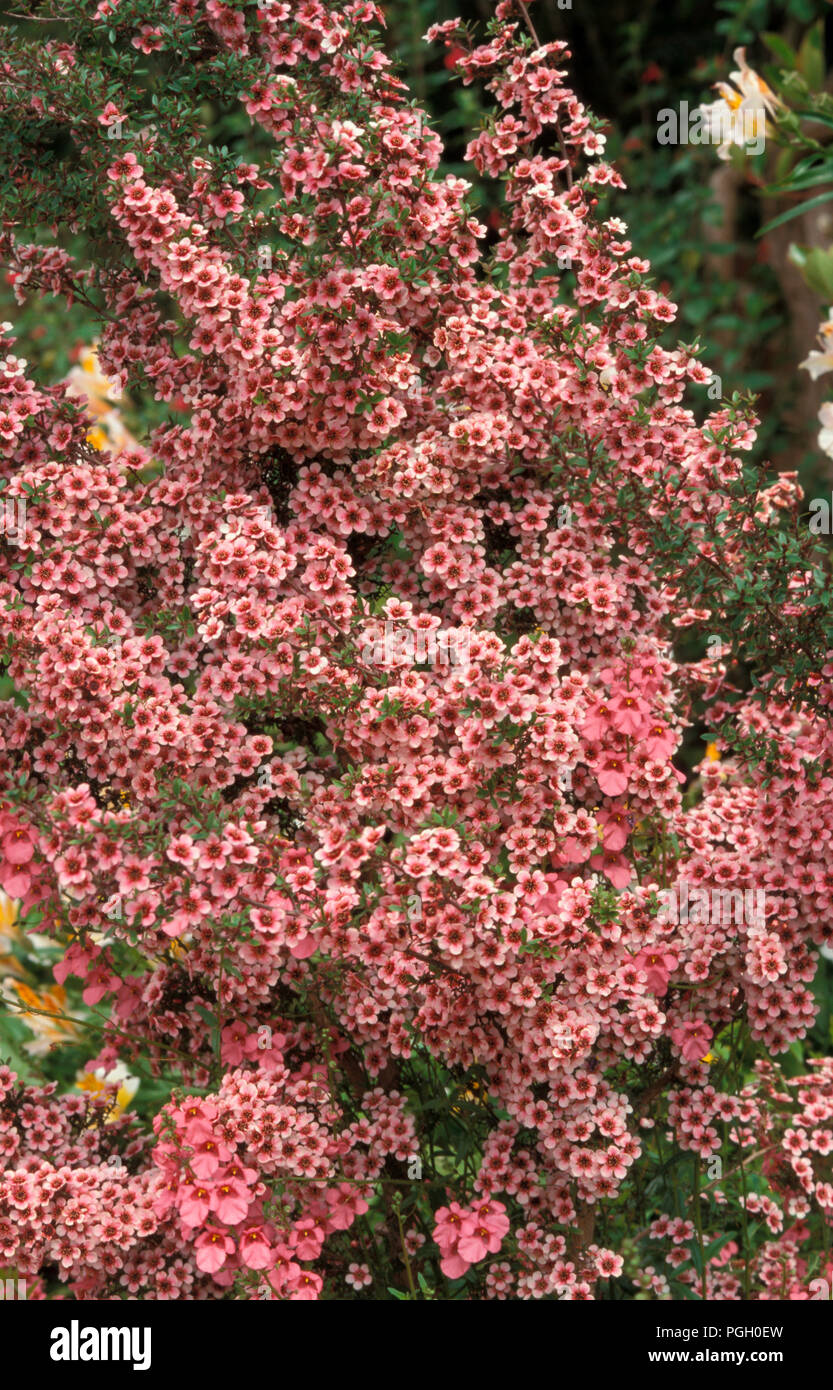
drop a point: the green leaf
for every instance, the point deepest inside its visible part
(817, 268)
(818, 116)
(685, 1291)
(795, 212)
(810, 61)
(806, 181)
(780, 49)
(714, 1246)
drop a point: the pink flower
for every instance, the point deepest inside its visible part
(305, 1288)
(18, 847)
(110, 115)
(231, 1201)
(693, 1038)
(75, 961)
(132, 876)
(212, 1250)
(659, 742)
(306, 1240)
(476, 1241)
(15, 885)
(613, 866)
(194, 1205)
(547, 903)
(301, 944)
(345, 1204)
(448, 1222)
(454, 1266)
(100, 981)
(255, 1250)
(597, 722)
(658, 966)
(612, 774)
(465, 1237)
(182, 850)
(208, 1152)
(616, 822)
(491, 1215)
(628, 712)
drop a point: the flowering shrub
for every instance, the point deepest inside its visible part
(390, 929)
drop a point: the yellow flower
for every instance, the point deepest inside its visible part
(8, 911)
(709, 1057)
(712, 752)
(97, 438)
(9, 932)
(87, 382)
(44, 1013)
(475, 1094)
(95, 1082)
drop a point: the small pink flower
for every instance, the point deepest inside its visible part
(110, 115)
(599, 719)
(208, 1154)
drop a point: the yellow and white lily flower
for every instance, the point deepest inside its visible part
(817, 363)
(87, 382)
(96, 1081)
(739, 117)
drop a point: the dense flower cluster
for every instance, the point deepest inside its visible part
(295, 873)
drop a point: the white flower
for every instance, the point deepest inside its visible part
(739, 117)
(826, 432)
(817, 363)
(595, 144)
